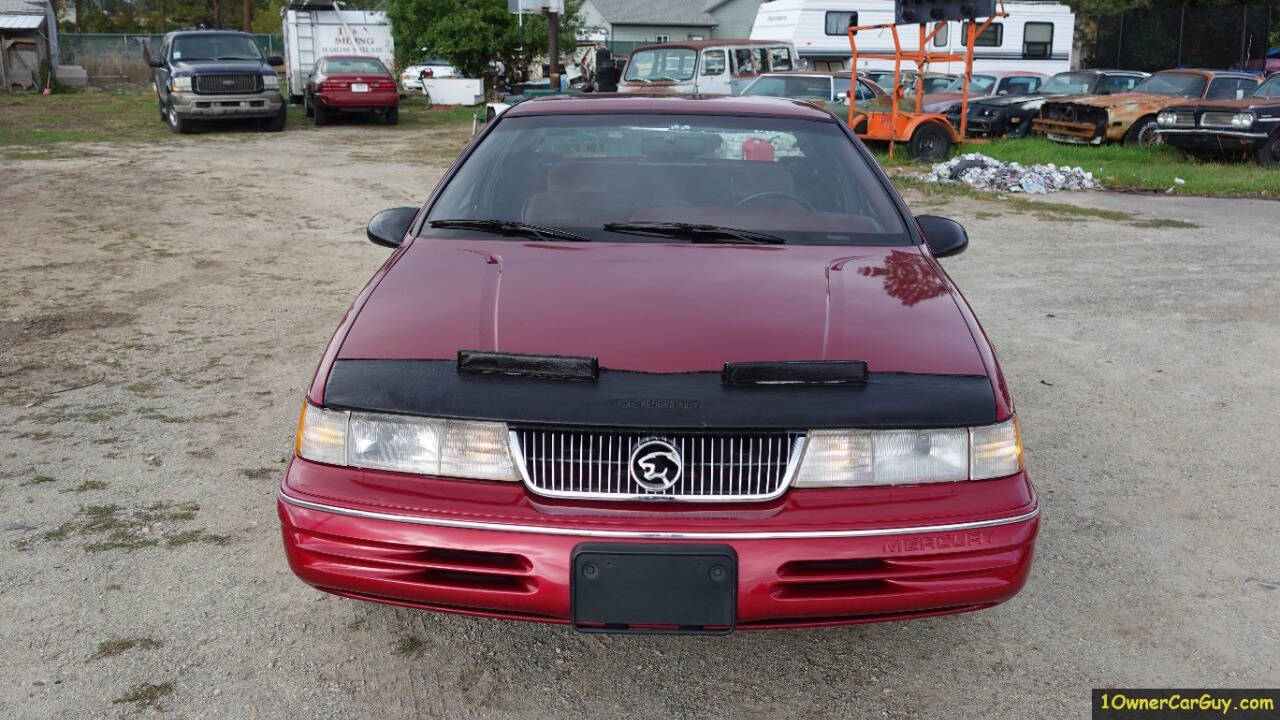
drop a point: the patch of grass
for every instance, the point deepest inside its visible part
(145, 696)
(261, 473)
(189, 536)
(1125, 167)
(109, 648)
(36, 120)
(38, 480)
(88, 485)
(107, 527)
(410, 646)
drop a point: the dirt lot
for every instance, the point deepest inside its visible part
(164, 307)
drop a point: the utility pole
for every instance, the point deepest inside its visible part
(553, 48)
(246, 15)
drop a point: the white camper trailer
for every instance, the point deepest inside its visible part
(1036, 35)
(315, 28)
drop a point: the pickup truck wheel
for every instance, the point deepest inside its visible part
(1269, 153)
(929, 142)
(276, 124)
(176, 122)
(320, 114)
(392, 115)
(1143, 133)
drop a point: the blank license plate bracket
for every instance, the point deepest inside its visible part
(654, 588)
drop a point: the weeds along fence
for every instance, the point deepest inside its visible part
(115, 59)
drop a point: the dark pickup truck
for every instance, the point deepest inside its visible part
(216, 75)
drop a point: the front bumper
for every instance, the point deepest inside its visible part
(249, 105)
(491, 549)
(1220, 140)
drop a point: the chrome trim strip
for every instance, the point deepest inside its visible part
(797, 451)
(655, 534)
(1210, 131)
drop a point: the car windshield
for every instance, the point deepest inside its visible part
(1172, 84)
(979, 85)
(800, 180)
(803, 87)
(369, 66)
(215, 47)
(1270, 88)
(661, 64)
(1069, 83)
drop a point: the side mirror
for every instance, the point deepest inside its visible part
(944, 236)
(388, 227)
(275, 61)
(155, 62)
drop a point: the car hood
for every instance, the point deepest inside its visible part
(223, 67)
(1121, 100)
(1248, 103)
(663, 307)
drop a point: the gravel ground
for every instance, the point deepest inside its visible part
(164, 307)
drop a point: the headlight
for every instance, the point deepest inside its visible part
(1242, 120)
(987, 112)
(402, 443)
(1166, 118)
(846, 458)
(270, 80)
(181, 84)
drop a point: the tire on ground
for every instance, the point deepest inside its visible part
(1269, 153)
(929, 142)
(1143, 133)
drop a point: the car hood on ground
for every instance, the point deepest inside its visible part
(223, 67)
(662, 307)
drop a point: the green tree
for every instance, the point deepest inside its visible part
(471, 34)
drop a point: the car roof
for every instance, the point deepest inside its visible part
(591, 103)
(180, 33)
(1012, 73)
(716, 42)
(1209, 73)
(809, 73)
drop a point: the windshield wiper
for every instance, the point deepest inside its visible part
(510, 227)
(696, 232)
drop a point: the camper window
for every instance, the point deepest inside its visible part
(1037, 40)
(940, 38)
(839, 22)
(993, 36)
(713, 62)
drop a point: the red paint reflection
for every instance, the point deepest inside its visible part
(907, 277)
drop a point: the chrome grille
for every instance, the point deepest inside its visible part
(1216, 119)
(1184, 118)
(595, 464)
(227, 84)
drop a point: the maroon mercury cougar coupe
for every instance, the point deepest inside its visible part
(629, 369)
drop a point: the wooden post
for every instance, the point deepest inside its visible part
(553, 49)
(246, 15)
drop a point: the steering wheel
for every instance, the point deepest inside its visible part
(776, 193)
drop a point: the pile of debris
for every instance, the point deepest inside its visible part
(986, 173)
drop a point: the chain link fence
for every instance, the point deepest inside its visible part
(115, 59)
(1184, 35)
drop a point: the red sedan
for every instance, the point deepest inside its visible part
(346, 83)
(623, 374)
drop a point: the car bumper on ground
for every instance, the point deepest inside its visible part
(492, 549)
(1220, 140)
(347, 100)
(249, 105)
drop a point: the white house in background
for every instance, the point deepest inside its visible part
(627, 23)
(1035, 36)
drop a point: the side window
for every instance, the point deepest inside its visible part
(993, 36)
(743, 61)
(940, 38)
(713, 62)
(838, 22)
(1037, 40)
(865, 92)
(1112, 84)
(762, 59)
(780, 58)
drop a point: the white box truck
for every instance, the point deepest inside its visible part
(315, 28)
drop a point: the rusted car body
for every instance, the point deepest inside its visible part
(1131, 117)
(1225, 127)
